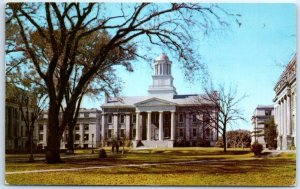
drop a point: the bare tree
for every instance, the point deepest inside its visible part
(219, 108)
(31, 105)
(64, 27)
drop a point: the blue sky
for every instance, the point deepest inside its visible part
(250, 56)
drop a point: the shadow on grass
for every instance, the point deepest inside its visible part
(221, 167)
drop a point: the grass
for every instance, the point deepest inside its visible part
(234, 168)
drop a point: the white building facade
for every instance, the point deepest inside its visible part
(260, 116)
(16, 137)
(285, 107)
(161, 119)
(86, 132)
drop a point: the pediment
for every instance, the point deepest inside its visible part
(155, 102)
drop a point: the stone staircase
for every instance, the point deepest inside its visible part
(153, 144)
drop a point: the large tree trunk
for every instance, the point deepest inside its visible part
(71, 138)
(52, 151)
(72, 124)
(54, 135)
(31, 159)
(225, 143)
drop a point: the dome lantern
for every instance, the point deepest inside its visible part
(162, 65)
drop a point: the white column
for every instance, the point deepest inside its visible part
(149, 126)
(285, 117)
(278, 124)
(127, 126)
(115, 125)
(187, 126)
(137, 126)
(161, 126)
(45, 132)
(281, 117)
(103, 128)
(288, 114)
(81, 133)
(275, 114)
(284, 141)
(172, 125)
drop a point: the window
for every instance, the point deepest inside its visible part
(76, 127)
(86, 137)
(109, 133)
(181, 132)
(122, 118)
(122, 132)
(41, 136)
(77, 136)
(194, 132)
(206, 119)
(181, 118)
(86, 127)
(41, 127)
(109, 118)
(194, 118)
(133, 133)
(21, 130)
(86, 114)
(207, 132)
(133, 118)
(268, 112)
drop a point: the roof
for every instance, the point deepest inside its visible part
(162, 57)
(265, 107)
(188, 99)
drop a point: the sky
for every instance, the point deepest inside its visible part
(250, 56)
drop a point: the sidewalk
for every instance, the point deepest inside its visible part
(25, 159)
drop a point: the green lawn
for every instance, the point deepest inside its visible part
(234, 168)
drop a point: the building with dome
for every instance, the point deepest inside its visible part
(163, 118)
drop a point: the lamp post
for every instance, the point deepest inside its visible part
(92, 143)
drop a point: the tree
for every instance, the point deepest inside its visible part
(106, 82)
(220, 107)
(271, 133)
(31, 104)
(64, 27)
(238, 138)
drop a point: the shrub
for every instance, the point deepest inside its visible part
(256, 148)
(219, 143)
(102, 153)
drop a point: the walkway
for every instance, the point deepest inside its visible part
(25, 159)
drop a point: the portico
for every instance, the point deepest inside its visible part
(158, 109)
